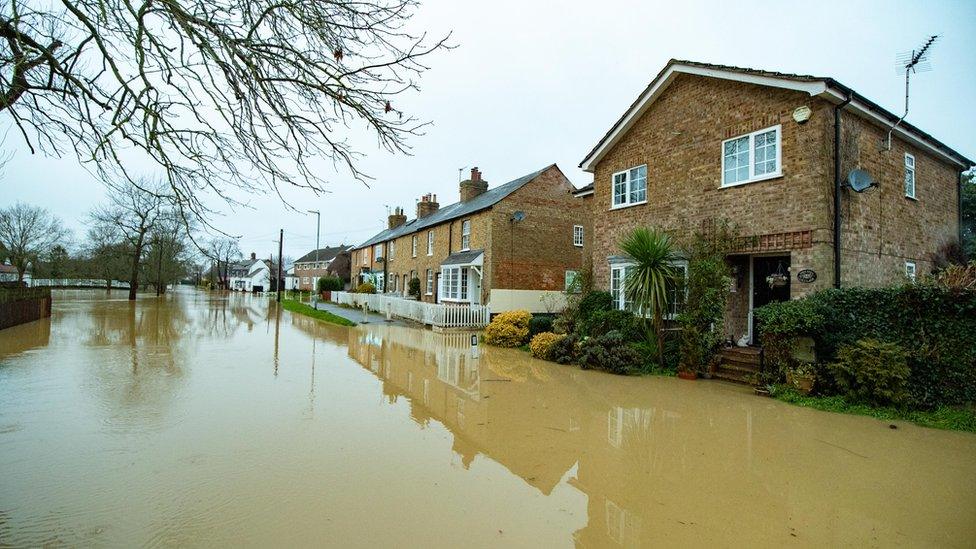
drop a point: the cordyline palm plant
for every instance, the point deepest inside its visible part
(646, 283)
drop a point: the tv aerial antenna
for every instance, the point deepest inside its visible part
(917, 60)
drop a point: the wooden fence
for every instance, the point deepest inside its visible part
(22, 305)
(440, 315)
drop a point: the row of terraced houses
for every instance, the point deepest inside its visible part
(767, 152)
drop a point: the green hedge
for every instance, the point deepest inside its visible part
(935, 327)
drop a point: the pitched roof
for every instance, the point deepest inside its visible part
(462, 258)
(820, 86)
(324, 254)
(483, 201)
(584, 190)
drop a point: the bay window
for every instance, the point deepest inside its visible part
(676, 288)
(454, 283)
(752, 157)
(630, 187)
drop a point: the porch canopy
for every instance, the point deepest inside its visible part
(470, 258)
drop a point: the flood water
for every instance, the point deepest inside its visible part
(220, 420)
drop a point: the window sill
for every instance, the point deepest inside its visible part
(577, 245)
(449, 300)
(766, 177)
(912, 198)
(627, 205)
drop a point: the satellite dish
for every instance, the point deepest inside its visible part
(518, 216)
(860, 180)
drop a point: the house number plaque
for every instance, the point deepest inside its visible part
(806, 275)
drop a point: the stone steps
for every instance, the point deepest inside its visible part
(739, 364)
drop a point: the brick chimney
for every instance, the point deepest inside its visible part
(471, 188)
(427, 205)
(397, 218)
(254, 256)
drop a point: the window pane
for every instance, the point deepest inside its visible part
(910, 182)
(638, 184)
(736, 160)
(615, 287)
(619, 188)
(464, 283)
(765, 153)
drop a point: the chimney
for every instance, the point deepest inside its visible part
(427, 205)
(254, 256)
(471, 188)
(397, 218)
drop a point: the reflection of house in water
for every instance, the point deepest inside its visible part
(444, 383)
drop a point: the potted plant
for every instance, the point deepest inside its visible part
(687, 374)
(802, 378)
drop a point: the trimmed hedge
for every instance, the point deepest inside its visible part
(936, 328)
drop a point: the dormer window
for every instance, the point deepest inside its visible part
(752, 157)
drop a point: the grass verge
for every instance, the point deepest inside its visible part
(944, 417)
(303, 309)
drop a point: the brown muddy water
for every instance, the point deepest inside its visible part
(218, 420)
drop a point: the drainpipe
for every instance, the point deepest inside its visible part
(959, 210)
(837, 187)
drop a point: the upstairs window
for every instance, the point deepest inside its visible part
(413, 245)
(378, 251)
(909, 176)
(430, 242)
(392, 250)
(630, 187)
(466, 235)
(578, 235)
(752, 157)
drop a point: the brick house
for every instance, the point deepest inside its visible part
(328, 261)
(706, 143)
(503, 246)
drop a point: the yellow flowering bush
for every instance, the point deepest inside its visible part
(509, 329)
(543, 345)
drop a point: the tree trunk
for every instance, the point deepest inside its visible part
(134, 279)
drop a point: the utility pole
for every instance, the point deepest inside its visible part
(281, 237)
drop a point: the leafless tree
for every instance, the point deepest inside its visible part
(26, 232)
(133, 212)
(219, 94)
(223, 250)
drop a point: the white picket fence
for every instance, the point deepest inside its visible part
(444, 316)
(77, 283)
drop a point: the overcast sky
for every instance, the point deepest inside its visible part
(532, 83)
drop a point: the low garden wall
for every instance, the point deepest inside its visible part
(22, 305)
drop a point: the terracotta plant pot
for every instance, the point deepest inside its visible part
(687, 375)
(327, 295)
(802, 383)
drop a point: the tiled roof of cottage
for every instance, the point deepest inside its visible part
(462, 258)
(842, 91)
(483, 201)
(325, 254)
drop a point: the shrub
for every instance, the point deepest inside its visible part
(366, 288)
(543, 344)
(624, 322)
(329, 284)
(609, 352)
(413, 287)
(872, 372)
(935, 326)
(701, 320)
(539, 324)
(509, 329)
(592, 303)
(565, 350)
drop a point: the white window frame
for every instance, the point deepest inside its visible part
(430, 242)
(430, 281)
(578, 235)
(910, 170)
(377, 251)
(413, 243)
(455, 286)
(568, 282)
(626, 203)
(465, 235)
(392, 250)
(911, 270)
(753, 178)
(620, 300)
(366, 256)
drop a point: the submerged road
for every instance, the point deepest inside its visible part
(206, 419)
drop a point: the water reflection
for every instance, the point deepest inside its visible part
(216, 419)
(664, 462)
